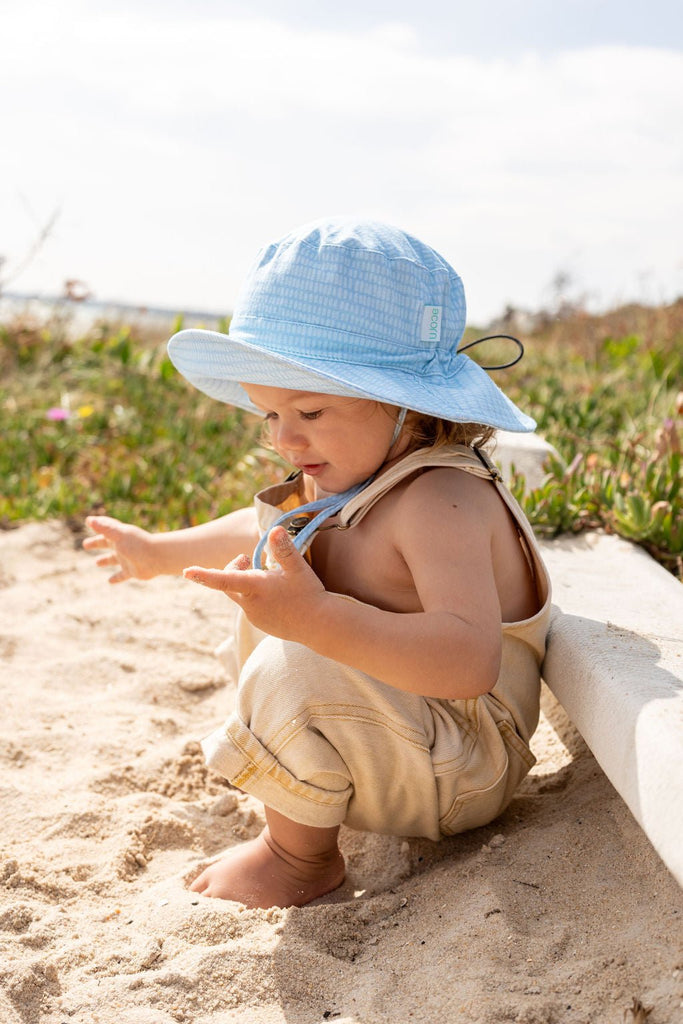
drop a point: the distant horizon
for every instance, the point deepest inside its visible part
(117, 304)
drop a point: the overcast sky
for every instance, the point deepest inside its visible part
(172, 139)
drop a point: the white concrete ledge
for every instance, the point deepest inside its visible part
(615, 660)
(528, 453)
(615, 663)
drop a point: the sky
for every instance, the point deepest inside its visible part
(158, 145)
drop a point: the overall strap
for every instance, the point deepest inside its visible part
(303, 520)
(310, 516)
(470, 460)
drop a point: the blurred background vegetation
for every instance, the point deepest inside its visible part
(102, 422)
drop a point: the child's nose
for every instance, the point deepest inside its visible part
(290, 437)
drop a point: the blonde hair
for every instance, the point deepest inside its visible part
(429, 432)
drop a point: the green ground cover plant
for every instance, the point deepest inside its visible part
(102, 422)
(606, 392)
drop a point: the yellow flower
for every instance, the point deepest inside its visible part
(45, 476)
(84, 411)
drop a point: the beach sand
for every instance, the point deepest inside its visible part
(559, 911)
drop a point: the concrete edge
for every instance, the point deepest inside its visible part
(630, 716)
(528, 453)
(615, 660)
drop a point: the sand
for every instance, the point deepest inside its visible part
(559, 911)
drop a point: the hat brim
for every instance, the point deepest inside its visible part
(216, 364)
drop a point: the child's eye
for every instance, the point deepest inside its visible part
(270, 416)
(311, 415)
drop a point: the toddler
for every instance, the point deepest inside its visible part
(395, 607)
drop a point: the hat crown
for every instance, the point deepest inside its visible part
(361, 289)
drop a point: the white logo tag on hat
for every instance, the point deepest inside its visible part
(431, 323)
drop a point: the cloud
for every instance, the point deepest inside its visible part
(176, 145)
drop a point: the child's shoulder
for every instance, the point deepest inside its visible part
(432, 485)
(439, 498)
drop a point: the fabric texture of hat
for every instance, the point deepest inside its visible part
(349, 307)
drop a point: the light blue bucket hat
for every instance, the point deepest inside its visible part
(350, 307)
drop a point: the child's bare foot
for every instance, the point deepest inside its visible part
(265, 873)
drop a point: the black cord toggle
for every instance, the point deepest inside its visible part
(492, 337)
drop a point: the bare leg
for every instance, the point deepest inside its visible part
(286, 866)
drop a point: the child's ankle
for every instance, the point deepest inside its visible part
(305, 865)
(260, 873)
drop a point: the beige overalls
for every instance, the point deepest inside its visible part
(323, 743)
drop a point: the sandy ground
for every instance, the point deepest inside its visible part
(559, 911)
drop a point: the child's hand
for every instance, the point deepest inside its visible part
(130, 548)
(279, 601)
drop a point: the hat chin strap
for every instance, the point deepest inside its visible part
(402, 413)
(323, 508)
(320, 510)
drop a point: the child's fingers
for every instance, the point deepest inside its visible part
(103, 526)
(119, 576)
(230, 581)
(95, 523)
(242, 562)
(106, 560)
(286, 554)
(212, 578)
(93, 543)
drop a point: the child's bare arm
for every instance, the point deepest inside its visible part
(449, 650)
(141, 555)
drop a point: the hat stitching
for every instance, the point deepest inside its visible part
(336, 331)
(399, 258)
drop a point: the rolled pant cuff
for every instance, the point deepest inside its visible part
(237, 754)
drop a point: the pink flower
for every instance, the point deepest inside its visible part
(57, 413)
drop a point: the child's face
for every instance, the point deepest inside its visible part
(337, 442)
